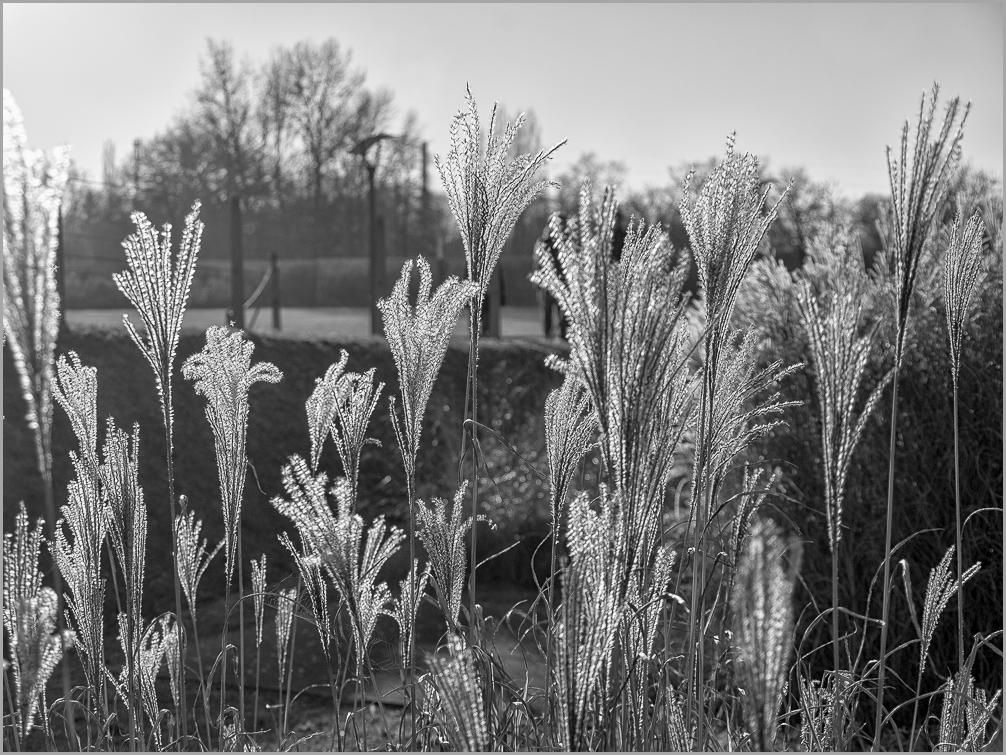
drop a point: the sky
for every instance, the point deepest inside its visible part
(656, 86)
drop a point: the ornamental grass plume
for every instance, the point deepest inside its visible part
(840, 353)
(418, 337)
(961, 267)
(918, 186)
(726, 224)
(487, 194)
(33, 190)
(78, 553)
(157, 284)
(443, 536)
(458, 694)
(127, 531)
(964, 718)
(763, 626)
(336, 539)
(29, 613)
(628, 348)
(223, 374)
(356, 398)
(322, 407)
(193, 556)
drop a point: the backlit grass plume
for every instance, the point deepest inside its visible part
(30, 623)
(726, 223)
(78, 553)
(336, 539)
(628, 348)
(840, 352)
(763, 626)
(33, 192)
(964, 718)
(194, 556)
(223, 374)
(356, 398)
(918, 186)
(443, 536)
(458, 694)
(322, 406)
(126, 513)
(418, 337)
(486, 191)
(961, 266)
(157, 284)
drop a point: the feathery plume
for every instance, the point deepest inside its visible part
(158, 286)
(443, 536)
(487, 193)
(966, 712)
(336, 539)
(418, 337)
(193, 556)
(286, 602)
(313, 583)
(569, 433)
(763, 621)
(79, 557)
(322, 407)
(460, 710)
(940, 589)
(29, 612)
(33, 191)
(628, 346)
(918, 185)
(408, 605)
(840, 356)
(223, 373)
(356, 399)
(126, 511)
(725, 225)
(961, 266)
(258, 595)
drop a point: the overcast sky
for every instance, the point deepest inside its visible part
(655, 85)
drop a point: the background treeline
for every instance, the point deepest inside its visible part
(280, 134)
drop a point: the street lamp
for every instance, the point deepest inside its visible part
(377, 261)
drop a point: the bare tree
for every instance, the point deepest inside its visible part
(224, 109)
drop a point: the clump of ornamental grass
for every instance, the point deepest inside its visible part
(223, 374)
(33, 191)
(34, 182)
(763, 626)
(965, 716)
(726, 224)
(29, 613)
(487, 193)
(629, 352)
(157, 284)
(840, 353)
(336, 540)
(418, 337)
(961, 266)
(918, 186)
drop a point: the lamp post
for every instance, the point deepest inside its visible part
(377, 261)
